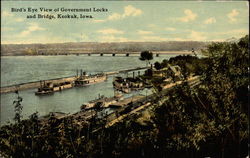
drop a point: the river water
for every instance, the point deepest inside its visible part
(21, 69)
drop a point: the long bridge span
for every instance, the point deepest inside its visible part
(110, 53)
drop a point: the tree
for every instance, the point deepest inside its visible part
(18, 108)
(146, 55)
(225, 90)
(214, 112)
(157, 65)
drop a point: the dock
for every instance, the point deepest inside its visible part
(36, 84)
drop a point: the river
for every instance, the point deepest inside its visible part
(21, 69)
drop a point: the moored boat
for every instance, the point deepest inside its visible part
(101, 101)
(49, 88)
(126, 85)
(84, 80)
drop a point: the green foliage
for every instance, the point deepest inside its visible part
(18, 108)
(216, 109)
(146, 55)
(189, 64)
(225, 87)
(164, 63)
(157, 65)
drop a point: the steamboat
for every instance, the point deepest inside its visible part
(84, 79)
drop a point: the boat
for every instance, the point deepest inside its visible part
(49, 88)
(101, 101)
(84, 79)
(128, 84)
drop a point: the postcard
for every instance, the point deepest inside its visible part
(124, 79)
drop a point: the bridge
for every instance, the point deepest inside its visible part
(127, 54)
(99, 54)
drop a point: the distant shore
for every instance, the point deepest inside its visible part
(170, 47)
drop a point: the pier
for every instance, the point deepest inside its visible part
(36, 84)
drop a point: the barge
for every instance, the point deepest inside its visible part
(49, 88)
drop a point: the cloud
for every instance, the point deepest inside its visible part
(154, 38)
(151, 25)
(110, 31)
(179, 39)
(216, 36)
(218, 40)
(112, 38)
(98, 21)
(142, 32)
(79, 37)
(7, 14)
(31, 28)
(210, 20)
(40, 39)
(189, 16)
(232, 15)
(170, 29)
(129, 11)
(235, 32)
(19, 19)
(7, 28)
(240, 31)
(115, 16)
(197, 36)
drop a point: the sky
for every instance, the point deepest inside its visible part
(125, 21)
